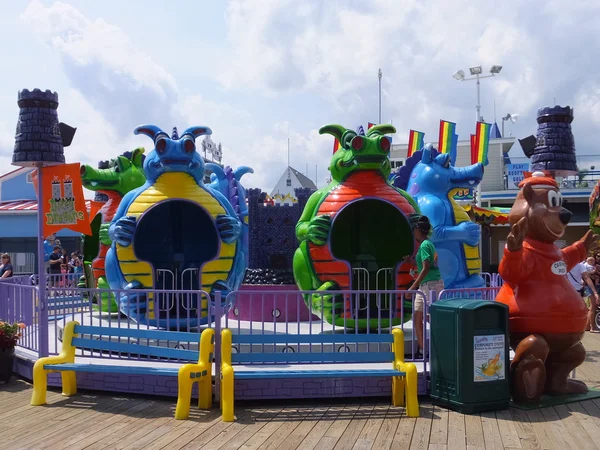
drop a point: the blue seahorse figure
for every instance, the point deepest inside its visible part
(174, 172)
(433, 182)
(227, 182)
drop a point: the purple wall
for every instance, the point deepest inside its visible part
(244, 390)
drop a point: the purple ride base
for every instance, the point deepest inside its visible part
(244, 390)
(272, 389)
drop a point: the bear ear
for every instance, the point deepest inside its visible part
(528, 194)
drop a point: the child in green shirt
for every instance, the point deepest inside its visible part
(428, 279)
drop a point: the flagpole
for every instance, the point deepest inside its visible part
(380, 75)
(43, 315)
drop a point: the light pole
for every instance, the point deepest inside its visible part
(477, 71)
(380, 74)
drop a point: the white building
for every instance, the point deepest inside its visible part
(283, 192)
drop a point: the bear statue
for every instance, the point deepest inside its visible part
(547, 316)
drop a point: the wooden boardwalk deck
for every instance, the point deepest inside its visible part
(98, 421)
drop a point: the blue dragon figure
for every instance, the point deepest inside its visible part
(433, 182)
(227, 182)
(174, 232)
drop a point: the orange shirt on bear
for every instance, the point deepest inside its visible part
(536, 289)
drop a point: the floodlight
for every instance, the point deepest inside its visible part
(459, 75)
(495, 69)
(513, 117)
(475, 70)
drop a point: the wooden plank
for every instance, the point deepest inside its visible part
(217, 428)
(304, 428)
(337, 428)
(507, 428)
(318, 431)
(250, 430)
(524, 429)
(439, 427)
(420, 435)
(558, 430)
(98, 420)
(261, 436)
(182, 427)
(386, 434)
(474, 429)
(587, 423)
(577, 434)
(491, 432)
(366, 439)
(289, 425)
(437, 447)
(541, 429)
(404, 431)
(355, 427)
(457, 435)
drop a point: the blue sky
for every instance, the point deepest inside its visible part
(253, 69)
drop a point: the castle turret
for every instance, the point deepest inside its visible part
(38, 139)
(555, 146)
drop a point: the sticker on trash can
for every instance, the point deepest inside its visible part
(489, 357)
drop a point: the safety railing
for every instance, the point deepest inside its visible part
(19, 303)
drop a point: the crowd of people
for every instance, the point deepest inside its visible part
(64, 269)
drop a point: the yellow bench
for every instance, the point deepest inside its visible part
(404, 375)
(187, 374)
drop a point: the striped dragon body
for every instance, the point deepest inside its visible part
(176, 185)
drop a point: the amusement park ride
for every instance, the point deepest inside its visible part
(166, 247)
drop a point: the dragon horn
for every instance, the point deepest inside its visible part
(216, 169)
(194, 132)
(335, 130)
(152, 131)
(381, 129)
(241, 171)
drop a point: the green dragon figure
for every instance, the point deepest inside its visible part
(354, 234)
(123, 174)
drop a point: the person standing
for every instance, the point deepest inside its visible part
(6, 268)
(428, 279)
(55, 259)
(579, 276)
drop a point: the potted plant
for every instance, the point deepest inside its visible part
(9, 335)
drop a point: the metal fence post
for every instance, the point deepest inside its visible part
(218, 311)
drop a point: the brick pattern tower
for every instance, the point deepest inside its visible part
(38, 136)
(555, 146)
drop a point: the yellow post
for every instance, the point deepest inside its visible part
(207, 350)
(227, 377)
(202, 371)
(404, 389)
(40, 375)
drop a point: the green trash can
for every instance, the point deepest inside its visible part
(470, 359)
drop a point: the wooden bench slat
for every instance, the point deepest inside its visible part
(136, 349)
(310, 338)
(99, 368)
(350, 357)
(317, 373)
(181, 336)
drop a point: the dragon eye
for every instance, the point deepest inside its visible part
(357, 142)
(161, 145)
(189, 146)
(384, 143)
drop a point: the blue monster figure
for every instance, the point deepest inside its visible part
(433, 182)
(174, 233)
(227, 182)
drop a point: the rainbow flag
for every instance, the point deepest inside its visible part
(370, 125)
(473, 149)
(415, 142)
(447, 132)
(482, 142)
(336, 145)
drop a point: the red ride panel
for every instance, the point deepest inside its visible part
(359, 185)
